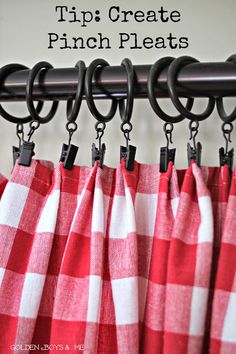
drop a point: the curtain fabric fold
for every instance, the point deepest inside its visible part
(223, 325)
(116, 261)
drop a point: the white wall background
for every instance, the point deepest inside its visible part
(209, 25)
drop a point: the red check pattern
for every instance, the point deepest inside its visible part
(116, 261)
(3, 182)
(223, 326)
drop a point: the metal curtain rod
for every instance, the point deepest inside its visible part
(196, 80)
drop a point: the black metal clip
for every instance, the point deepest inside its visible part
(69, 151)
(27, 147)
(195, 152)
(98, 154)
(166, 154)
(20, 135)
(127, 152)
(15, 153)
(26, 153)
(68, 155)
(227, 157)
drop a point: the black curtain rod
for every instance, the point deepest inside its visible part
(196, 80)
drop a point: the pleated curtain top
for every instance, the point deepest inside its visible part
(116, 261)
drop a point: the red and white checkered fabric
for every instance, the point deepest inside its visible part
(110, 261)
(223, 325)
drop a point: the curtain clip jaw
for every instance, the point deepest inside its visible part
(26, 153)
(20, 136)
(166, 154)
(128, 153)
(69, 151)
(27, 147)
(226, 158)
(98, 154)
(194, 153)
(68, 155)
(15, 153)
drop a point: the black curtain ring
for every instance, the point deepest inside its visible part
(232, 58)
(219, 100)
(89, 92)
(29, 94)
(126, 110)
(154, 72)
(5, 71)
(72, 110)
(172, 75)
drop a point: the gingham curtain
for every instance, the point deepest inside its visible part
(111, 261)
